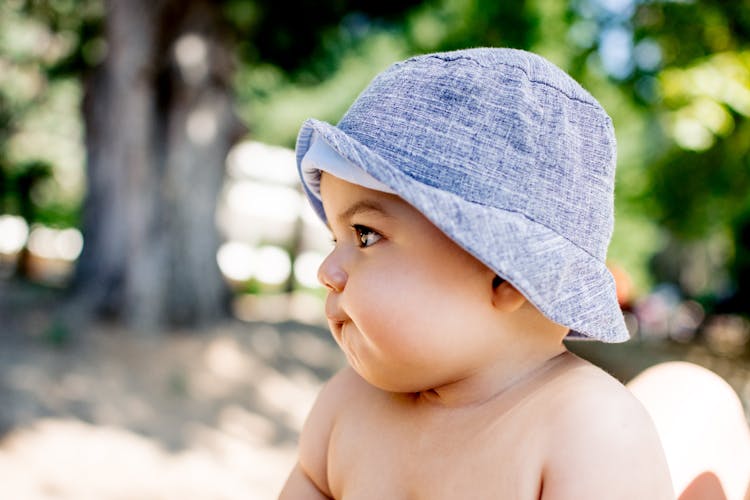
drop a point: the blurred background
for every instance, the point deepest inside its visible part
(161, 329)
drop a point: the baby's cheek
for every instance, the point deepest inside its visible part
(387, 316)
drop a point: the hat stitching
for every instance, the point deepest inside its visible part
(508, 65)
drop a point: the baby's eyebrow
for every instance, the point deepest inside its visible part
(362, 206)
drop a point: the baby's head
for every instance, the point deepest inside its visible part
(502, 152)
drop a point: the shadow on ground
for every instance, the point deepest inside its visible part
(108, 414)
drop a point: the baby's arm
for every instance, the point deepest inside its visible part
(309, 478)
(606, 446)
(299, 485)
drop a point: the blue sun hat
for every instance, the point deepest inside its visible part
(507, 155)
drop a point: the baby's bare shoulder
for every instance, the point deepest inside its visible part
(345, 396)
(583, 387)
(602, 431)
(346, 393)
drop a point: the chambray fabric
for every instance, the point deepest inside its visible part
(506, 154)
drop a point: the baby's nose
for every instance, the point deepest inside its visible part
(331, 275)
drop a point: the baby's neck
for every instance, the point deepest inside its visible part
(491, 383)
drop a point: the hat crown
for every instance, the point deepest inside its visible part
(497, 127)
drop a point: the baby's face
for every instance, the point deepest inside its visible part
(408, 306)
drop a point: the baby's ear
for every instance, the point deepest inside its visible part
(505, 297)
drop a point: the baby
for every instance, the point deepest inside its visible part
(470, 198)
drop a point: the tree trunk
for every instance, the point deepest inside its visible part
(159, 124)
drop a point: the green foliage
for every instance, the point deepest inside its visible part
(703, 179)
(276, 105)
(275, 101)
(699, 175)
(306, 39)
(41, 151)
(454, 24)
(675, 76)
(47, 48)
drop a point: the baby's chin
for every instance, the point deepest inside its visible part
(387, 383)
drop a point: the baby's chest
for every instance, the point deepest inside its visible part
(378, 458)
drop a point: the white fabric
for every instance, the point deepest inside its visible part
(320, 157)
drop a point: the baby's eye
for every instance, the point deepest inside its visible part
(366, 236)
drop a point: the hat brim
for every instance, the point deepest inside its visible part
(564, 282)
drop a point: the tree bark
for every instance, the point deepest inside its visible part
(159, 124)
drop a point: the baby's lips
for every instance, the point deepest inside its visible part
(334, 313)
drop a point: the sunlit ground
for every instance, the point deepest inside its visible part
(110, 415)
